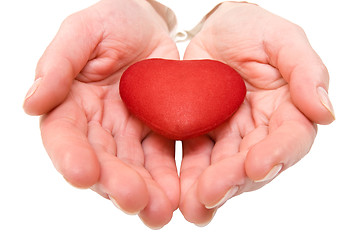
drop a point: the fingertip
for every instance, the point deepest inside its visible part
(275, 153)
(154, 222)
(45, 94)
(83, 172)
(274, 171)
(193, 210)
(128, 211)
(257, 167)
(285, 145)
(214, 191)
(229, 194)
(314, 103)
(211, 214)
(309, 85)
(158, 211)
(125, 186)
(28, 108)
(329, 115)
(210, 188)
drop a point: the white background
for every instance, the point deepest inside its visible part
(318, 198)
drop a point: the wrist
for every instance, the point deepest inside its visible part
(167, 15)
(188, 35)
(244, 2)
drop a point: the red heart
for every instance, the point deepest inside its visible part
(182, 99)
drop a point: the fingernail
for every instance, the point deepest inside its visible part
(272, 174)
(209, 221)
(33, 89)
(325, 100)
(118, 206)
(229, 194)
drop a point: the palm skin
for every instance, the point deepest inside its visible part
(276, 125)
(87, 131)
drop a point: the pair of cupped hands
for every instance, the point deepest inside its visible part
(94, 142)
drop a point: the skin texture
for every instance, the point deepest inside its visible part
(275, 126)
(94, 142)
(87, 131)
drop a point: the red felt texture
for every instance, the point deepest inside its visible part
(181, 99)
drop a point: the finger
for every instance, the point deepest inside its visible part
(63, 59)
(303, 69)
(193, 210)
(225, 146)
(196, 159)
(228, 136)
(64, 136)
(226, 159)
(289, 139)
(158, 211)
(122, 184)
(125, 187)
(214, 191)
(158, 208)
(160, 162)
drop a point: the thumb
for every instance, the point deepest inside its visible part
(61, 62)
(306, 74)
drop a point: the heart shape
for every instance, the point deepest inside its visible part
(181, 99)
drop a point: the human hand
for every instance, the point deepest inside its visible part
(276, 125)
(90, 136)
